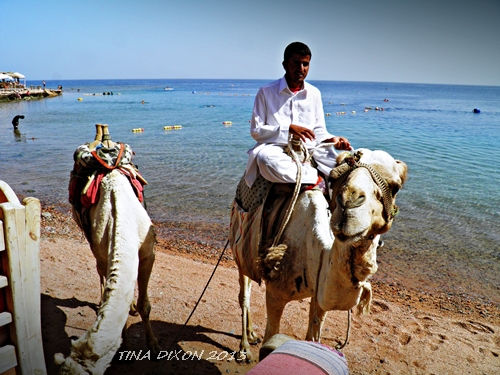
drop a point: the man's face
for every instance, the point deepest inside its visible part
(296, 69)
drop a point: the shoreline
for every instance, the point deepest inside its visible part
(205, 242)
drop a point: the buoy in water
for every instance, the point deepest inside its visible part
(227, 122)
(476, 110)
(138, 130)
(80, 99)
(172, 127)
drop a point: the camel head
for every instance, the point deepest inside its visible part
(364, 188)
(68, 365)
(72, 365)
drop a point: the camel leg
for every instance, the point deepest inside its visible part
(274, 309)
(102, 281)
(143, 304)
(248, 335)
(316, 318)
(125, 345)
(101, 271)
(253, 338)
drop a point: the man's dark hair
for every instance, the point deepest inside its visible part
(298, 48)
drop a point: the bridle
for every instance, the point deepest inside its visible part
(339, 174)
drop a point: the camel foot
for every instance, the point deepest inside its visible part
(244, 356)
(133, 309)
(253, 338)
(155, 348)
(254, 341)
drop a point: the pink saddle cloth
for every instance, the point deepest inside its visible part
(301, 358)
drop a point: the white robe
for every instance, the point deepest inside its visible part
(275, 108)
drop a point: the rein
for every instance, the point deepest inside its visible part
(294, 149)
(153, 371)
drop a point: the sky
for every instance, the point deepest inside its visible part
(419, 41)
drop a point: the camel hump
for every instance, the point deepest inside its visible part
(118, 155)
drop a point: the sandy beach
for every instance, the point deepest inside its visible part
(408, 331)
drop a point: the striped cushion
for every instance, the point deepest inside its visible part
(302, 357)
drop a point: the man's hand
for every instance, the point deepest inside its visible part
(340, 143)
(301, 132)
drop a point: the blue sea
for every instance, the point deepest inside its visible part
(446, 237)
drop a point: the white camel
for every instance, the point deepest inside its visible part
(122, 240)
(326, 253)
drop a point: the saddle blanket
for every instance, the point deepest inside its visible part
(245, 231)
(91, 166)
(256, 215)
(302, 357)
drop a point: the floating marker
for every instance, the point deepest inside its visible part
(138, 130)
(172, 127)
(227, 122)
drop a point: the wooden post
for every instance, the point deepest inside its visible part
(20, 271)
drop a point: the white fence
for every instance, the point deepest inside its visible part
(21, 347)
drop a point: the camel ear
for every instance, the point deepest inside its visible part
(402, 171)
(59, 359)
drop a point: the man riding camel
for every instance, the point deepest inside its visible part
(287, 107)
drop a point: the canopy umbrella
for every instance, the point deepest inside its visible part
(17, 75)
(5, 76)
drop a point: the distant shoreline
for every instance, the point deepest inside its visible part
(17, 94)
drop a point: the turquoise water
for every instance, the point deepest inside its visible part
(450, 207)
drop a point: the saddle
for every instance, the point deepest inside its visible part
(257, 215)
(90, 166)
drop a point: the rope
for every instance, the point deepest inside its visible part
(104, 164)
(201, 296)
(340, 346)
(296, 190)
(153, 371)
(390, 209)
